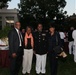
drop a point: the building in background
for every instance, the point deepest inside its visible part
(8, 17)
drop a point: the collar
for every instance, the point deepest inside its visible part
(16, 29)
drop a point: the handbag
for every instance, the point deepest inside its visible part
(59, 50)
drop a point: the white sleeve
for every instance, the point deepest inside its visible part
(64, 35)
(73, 35)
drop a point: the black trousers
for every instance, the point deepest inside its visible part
(15, 63)
(53, 63)
(62, 42)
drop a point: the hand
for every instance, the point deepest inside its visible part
(14, 55)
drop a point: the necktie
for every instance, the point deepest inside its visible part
(20, 38)
(20, 35)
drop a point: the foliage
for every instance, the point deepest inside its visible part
(4, 32)
(35, 10)
(3, 3)
(41, 8)
(70, 22)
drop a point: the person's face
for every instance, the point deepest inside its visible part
(40, 27)
(18, 25)
(28, 30)
(52, 29)
(72, 28)
(23, 30)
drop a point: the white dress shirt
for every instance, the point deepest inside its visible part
(19, 34)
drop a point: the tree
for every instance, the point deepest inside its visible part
(41, 9)
(3, 3)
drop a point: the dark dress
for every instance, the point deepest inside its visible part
(28, 44)
(52, 55)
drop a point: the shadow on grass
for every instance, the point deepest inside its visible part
(66, 67)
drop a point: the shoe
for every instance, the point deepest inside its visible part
(43, 74)
(28, 73)
(37, 74)
(23, 74)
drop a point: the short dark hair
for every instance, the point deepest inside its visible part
(51, 25)
(17, 22)
(39, 23)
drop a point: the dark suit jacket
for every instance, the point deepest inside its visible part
(13, 41)
(40, 42)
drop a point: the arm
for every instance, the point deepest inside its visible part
(59, 39)
(73, 35)
(11, 43)
(64, 35)
(34, 42)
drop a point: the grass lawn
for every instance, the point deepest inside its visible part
(67, 67)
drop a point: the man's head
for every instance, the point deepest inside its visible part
(39, 27)
(17, 25)
(71, 28)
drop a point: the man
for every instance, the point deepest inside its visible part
(74, 37)
(71, 40)
(40, 48)
(15, 49)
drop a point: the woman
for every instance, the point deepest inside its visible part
(28, 51)
(51, 44)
